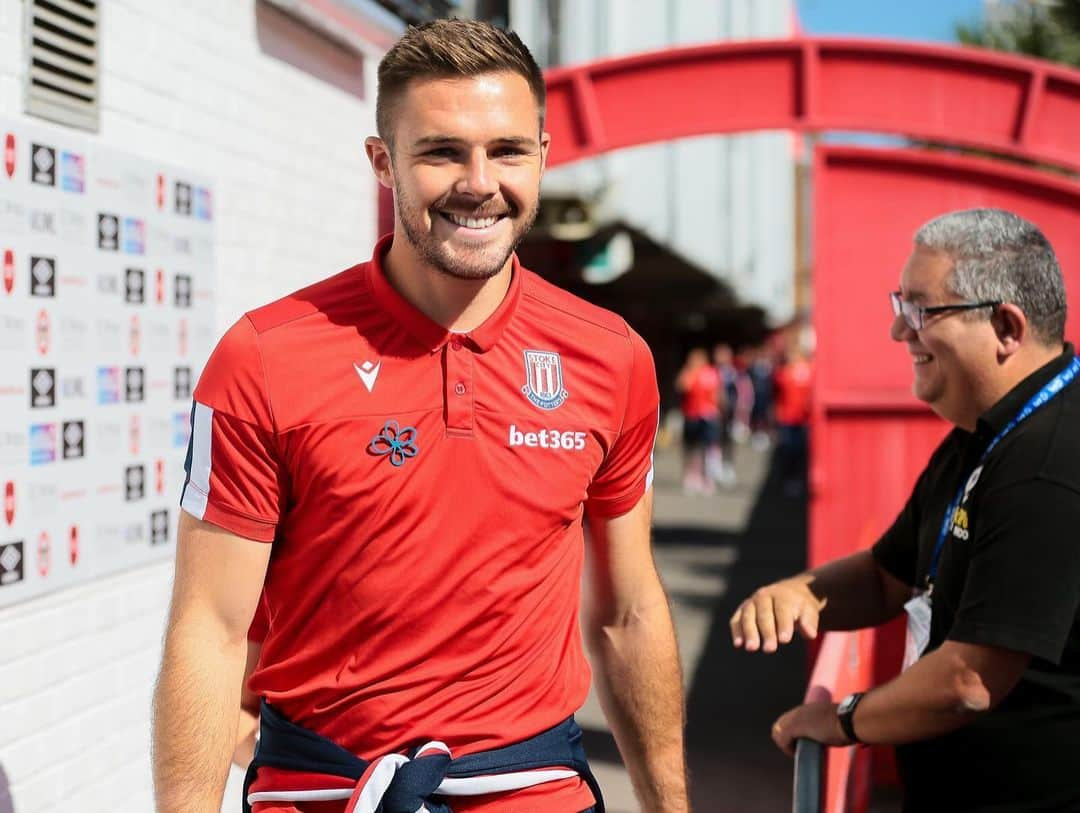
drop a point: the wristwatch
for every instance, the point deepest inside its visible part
(845, 712)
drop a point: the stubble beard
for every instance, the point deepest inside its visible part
(476, 264)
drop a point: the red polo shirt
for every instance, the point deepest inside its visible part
(424, 493)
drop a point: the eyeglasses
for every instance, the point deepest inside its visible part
(915, 315)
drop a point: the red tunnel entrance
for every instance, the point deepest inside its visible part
(870, 437)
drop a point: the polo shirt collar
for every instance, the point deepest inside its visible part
(429, 333)
(998, 416)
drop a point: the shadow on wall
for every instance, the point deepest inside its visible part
(7, 805)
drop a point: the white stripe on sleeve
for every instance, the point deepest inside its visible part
(198, 486)
(652, 454)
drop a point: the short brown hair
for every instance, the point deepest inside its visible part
(451, 48)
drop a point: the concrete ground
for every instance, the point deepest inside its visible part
(712, 552)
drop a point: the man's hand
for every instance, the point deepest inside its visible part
(815, 721)
(770, 616)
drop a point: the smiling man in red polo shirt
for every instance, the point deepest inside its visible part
(421, 440)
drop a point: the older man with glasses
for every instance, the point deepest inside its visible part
(985, 555)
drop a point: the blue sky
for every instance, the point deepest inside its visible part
(910, 19)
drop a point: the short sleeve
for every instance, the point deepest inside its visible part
(897, 551)
(1022, 590)
(627, 470)
(235, 478)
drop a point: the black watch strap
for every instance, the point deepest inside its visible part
(845, 712)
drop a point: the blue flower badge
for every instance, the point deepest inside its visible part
(397, 442)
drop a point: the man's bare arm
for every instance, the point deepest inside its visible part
(630, 634)
(849, 593)
(196, 703)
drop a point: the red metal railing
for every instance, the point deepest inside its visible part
(844, 664)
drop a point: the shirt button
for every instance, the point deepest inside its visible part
(459, 388)
(455, 344)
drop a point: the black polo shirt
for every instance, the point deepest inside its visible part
(1009, 576)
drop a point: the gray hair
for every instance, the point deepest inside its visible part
(1000, 257)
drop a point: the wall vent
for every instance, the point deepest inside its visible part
(62, 61)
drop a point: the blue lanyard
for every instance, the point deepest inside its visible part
(1040, 399)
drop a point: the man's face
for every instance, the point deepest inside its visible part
(466, 165)
(952, 356)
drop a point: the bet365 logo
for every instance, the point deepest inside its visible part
(548, 439)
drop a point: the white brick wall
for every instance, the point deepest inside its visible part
(185, 83)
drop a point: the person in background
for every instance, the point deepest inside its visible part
(760, 373)
(698, 385)
(983, 557)
(723, 469)
(793, 381)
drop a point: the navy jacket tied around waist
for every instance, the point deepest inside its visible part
(407, 784)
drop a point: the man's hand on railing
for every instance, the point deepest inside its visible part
(815, 721)
(772, 614)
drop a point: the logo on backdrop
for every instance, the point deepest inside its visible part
(204, 209)
(108, 385)
(133, 384)
(159, 527)
(44, 554)
(159, 287)
(181, 429)
(544, 379)
(9, 155)
(134, 236)
(135, 334)
(42, 276)
(181, 383)
(42, 387)
(108, 284)
(183, 198)
(134, 286)
(108, 232)
(42, 165)
(9, 502)
(9, 270)
(43, 221)
(134, 435)
(43, 332)
(11, 563)
(73, 435)
(134, 483)
(182, 290)
(42, 443)
(73, 545)
(72, 387)
(72, 172)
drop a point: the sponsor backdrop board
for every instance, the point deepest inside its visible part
(106, 317)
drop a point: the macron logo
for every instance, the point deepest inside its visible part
(368, 372)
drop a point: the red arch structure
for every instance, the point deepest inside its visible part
(870, 437)
(963, 96)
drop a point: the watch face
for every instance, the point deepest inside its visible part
(846, 704)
